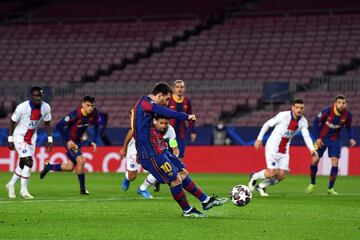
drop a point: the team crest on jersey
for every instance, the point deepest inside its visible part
(288, 133)
(67, 118)
(185, 107)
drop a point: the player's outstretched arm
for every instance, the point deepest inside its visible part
(269, 123)
(167, 112)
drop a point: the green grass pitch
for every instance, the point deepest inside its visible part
(59, 212)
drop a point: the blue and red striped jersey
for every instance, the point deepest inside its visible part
(73, 126)
(329, 122)
(184, 105)
(145, 137)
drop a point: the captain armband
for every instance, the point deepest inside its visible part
(173, 143)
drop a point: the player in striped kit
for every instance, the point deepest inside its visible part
(129, 152)
(155, 158)
(22, 138)
(286, 125)
(71, 128)
(326, 128)
(180, 103)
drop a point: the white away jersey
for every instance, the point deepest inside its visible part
(28, 118)
(286, 127)
(170, 133)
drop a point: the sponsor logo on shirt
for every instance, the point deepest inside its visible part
(333, 126)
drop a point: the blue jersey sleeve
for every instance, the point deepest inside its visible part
(96, 128)
(318, 121)
(64, 123)
(166, 112)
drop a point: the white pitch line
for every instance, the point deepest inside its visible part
(76, 200)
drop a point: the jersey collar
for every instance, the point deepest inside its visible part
(178, 101)
(83, 113)
(336, 111)
(293, 117)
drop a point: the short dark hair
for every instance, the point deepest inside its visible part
(297, 101)
(162, 88)
(158, 116)
(90, 99)
(34, 89)
(340, 96)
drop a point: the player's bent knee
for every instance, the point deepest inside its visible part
(80, 161)
(183, 174)
(280, 177)
(177, 181)
(271, 173)
(132, 175)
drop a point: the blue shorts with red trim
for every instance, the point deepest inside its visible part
(333, 147)
(164, 167)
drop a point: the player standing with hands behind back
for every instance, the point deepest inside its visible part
(27, 118)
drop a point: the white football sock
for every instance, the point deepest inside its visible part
(15, 176)
(127, 175)
(25, 175)
(149, 181)
(259, 175)
(267, 182)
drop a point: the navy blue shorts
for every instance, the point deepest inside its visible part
(332, 146)
(73, 155)
(164, 167)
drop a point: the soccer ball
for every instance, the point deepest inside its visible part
(240, 195)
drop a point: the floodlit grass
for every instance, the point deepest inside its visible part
(60, 212)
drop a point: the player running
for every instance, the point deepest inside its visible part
(71, 128)
(326, 128)
(286, 125)
(156, 159)
(27, 118)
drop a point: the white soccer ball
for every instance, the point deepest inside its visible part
(240, 195)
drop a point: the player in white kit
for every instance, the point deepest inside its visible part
(22, 138)
(286, 125)
(132, 166)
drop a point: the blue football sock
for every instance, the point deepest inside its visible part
(180, 197)
(190, 186)
(81, 178)
(313, 171)
(333, 175)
